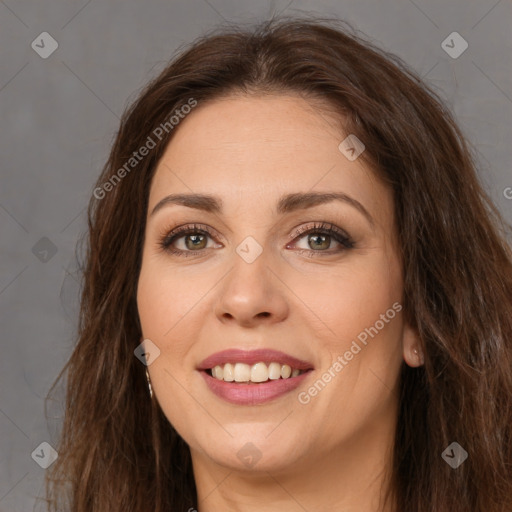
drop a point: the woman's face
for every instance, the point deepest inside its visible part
(265, 263)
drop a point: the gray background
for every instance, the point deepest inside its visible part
(59, 116)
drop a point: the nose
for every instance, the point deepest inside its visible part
(251, 293)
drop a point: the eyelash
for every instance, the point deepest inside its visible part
(321, 228)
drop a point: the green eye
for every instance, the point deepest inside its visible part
(321, 236)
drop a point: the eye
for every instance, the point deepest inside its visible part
(321, 237)
(187, 240)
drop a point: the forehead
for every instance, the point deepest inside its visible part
(252, 149)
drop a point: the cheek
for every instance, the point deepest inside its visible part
(359, 332)
(360, 336)
(352, 298)
(165, 297)
(168, 310)
(173, 306)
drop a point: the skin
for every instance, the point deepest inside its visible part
(333, 453)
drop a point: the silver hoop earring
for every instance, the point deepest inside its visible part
(149, 384)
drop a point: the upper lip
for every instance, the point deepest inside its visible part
(252, 357)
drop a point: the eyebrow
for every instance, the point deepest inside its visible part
(286, 204)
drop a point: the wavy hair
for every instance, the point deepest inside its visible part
(118, 452)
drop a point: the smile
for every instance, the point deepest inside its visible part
(252, 377)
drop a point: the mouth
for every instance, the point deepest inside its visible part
(253, 377)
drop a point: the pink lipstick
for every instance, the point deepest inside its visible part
(253, 377)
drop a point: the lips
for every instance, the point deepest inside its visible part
(240, 393)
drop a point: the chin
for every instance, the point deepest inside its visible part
(256, 453)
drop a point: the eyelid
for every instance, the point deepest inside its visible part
(174, 233)
(318, 226)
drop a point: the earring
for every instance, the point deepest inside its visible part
(419, 354)
(149, 384)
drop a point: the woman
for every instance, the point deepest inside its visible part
(296, 296)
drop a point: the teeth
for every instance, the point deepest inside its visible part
(286, 371)
(218, 372)
(259, 372)
(228, 373)
(242, 372)
(274, 371)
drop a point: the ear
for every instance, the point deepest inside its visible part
(412, 351)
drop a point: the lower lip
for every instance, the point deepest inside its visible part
(252, 394)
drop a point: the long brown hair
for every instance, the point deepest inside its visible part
(118, 451)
